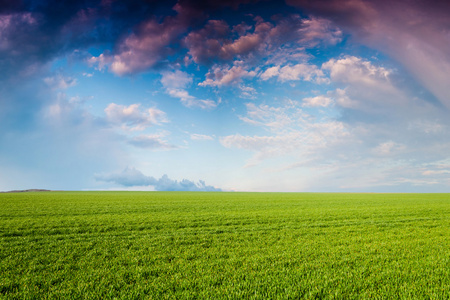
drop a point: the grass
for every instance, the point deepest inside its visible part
(158, 245)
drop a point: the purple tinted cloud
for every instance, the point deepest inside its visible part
(415, 33)
(216, 41)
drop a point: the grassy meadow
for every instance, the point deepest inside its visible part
(177, 245)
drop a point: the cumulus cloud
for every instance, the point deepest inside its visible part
(318, 101)
(149, 43)
(146, 47)
(343, 99)
(270, 72)
(132, 117)
(132, 177)
(216, 42)
(352, 69)
(219, 76)
(365, 86)
(301, 71)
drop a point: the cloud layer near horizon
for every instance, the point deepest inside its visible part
(131, 177)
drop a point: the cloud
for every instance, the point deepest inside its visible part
(133, 177)
(318, 101)
(413, 33)
(201, 137)
(308, 143)
(128, 177)
(301, 71)
(220, 76)
(60, 82)
(365, 86)
(352, 69)
(52, 142)
(248, 92)
(145, 48)
(176, 83)
(148, 44)
(273, 118)
(316, 30)
(270, 72)
(190, 101)
(216, 42)
(176, 80)
(380, 135)
(132, 117)
(292, 133)
(33, 35)
(154, 141)
(343, 99)
(388, 148)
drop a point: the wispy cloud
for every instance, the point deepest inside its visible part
(151, 141)
(134, 118)
(201, 137)
(176, 83)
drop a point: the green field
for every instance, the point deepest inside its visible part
(176, 245)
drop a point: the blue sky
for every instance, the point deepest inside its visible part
(237, 95)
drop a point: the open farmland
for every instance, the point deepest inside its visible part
(176, 245)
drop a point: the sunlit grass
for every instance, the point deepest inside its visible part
(136, 245)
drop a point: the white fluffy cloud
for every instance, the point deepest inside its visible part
(318, 101)
(352, 69)
(365, 86)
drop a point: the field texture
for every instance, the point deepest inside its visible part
(137, 245)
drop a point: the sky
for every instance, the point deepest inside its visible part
(234, 95)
